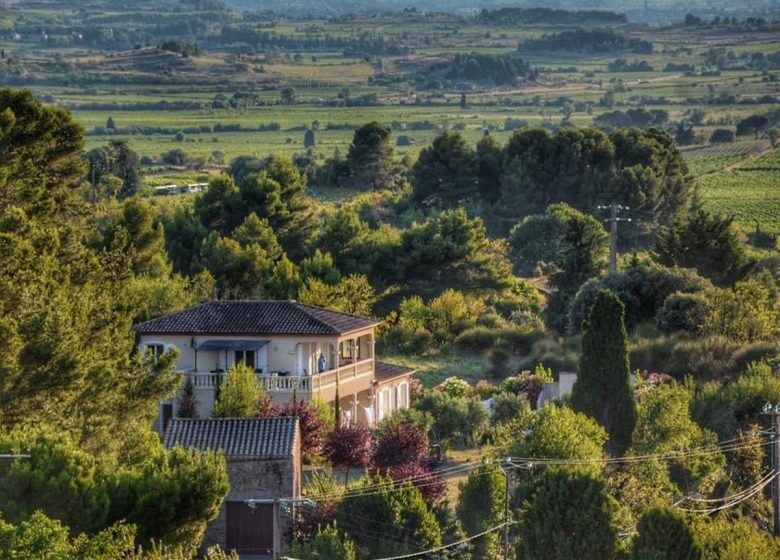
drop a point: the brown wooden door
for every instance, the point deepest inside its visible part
(250, 530)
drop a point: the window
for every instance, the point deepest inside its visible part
(345, 349)
(384, 403)
(402, 395)
(155, 351)
(245, 357)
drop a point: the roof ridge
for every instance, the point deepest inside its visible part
(308, 306)
(307, 310)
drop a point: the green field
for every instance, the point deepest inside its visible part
(742, 185)
(337, 88)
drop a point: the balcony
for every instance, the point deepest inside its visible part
(316, 384)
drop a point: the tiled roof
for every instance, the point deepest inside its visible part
(385, 372)
(238, 438)
(255, 318)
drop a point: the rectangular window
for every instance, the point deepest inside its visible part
(384, 403)
(403, 395)
(346, 349)
(155, 351)
(245, 357)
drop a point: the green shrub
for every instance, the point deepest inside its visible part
(455, 420)
(455, 387)
(517, 339)
(508, 407)
(709, 357)
(683, 312)
(475, 339)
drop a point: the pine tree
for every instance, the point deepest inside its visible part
(110, 124)
(603, 389)
(188, 402)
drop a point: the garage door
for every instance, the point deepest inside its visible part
(250, 530)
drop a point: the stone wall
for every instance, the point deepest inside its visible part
(263, 481)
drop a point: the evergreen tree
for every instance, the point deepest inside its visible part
(370, 156)
(445, 174)
(126, 165)
(480, 507)
(708, 243)
(389, 520)
(239, 394)
(662, 533)
(257, 231)
(327, 544)
(308, 139)
(188, 402)
(603, 390)
(110, 124)
(570, 516)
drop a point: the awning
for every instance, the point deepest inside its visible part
(232, 344)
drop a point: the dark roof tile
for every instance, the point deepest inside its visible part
(255, 318)
(385, 372)
(238, 438)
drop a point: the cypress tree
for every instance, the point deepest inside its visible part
(188, 402)
(603, 389)
(569, 517)
(308, 139)
(664, 533)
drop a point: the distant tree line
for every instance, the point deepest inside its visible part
(601, 40)
(363, 43)
(475, 67)
(524, 16)
(639, 118)
(622, 65)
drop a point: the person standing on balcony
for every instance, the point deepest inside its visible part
(321, 363)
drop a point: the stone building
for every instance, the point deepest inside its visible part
(264, 471)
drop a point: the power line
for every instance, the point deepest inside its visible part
(420, 481)
(438, 548)
(728, 446)
(732, 497)
(392, 485)
(755, 489)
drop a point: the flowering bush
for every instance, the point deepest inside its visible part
(526, 383)
(455, 387)
(416, 390)
(484, 389)
(648, 382)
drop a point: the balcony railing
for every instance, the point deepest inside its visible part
(289, 383)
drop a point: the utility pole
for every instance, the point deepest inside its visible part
(507, 461)
(614, 218)
(774, 414)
